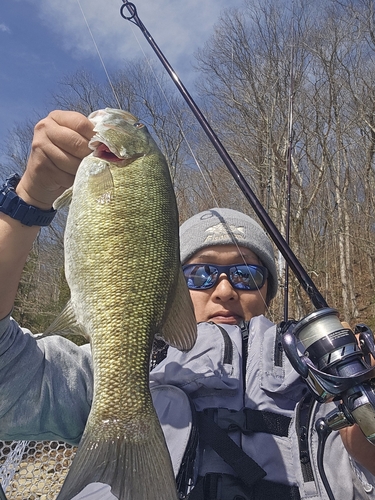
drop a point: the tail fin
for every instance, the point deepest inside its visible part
(135, 468)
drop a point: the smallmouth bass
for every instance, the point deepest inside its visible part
(123, 268)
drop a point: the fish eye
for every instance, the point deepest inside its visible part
(138, 125)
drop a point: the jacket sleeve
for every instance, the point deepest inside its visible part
(46, 386)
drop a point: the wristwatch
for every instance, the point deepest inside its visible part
(15, 207)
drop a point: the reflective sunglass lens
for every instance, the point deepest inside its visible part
(241, 276)
(200, 277)
(247, 277)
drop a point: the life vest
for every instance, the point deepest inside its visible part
(258, 403)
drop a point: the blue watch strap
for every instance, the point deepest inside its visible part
(11, 204)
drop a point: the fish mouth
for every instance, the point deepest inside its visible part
(103, 152)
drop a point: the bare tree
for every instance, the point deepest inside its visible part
(325, 51)
(246, 68)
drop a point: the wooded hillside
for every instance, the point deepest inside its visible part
(271, 80)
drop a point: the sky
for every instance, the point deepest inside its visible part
(42, 41)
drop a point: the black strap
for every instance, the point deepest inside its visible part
(244, 325)
(267, 421)
(248, 421)
(244, 466)
(303, 414)
(278, 350)
(185, 475)
(216, 486)
(267, 490)
(228, 346)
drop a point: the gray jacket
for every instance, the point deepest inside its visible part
(47, 383)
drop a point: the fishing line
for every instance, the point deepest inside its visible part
(99, 55)
(171, 107)
(176, 79)
(301, 274)
(192, 152)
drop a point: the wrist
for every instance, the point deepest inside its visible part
(25, 195)
(19, 206)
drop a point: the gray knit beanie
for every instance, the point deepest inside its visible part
(223, 226)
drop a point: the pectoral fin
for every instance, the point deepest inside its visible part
(66, 324)
(101, 184)
(180, 326)
(64, 200)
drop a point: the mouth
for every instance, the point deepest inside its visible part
(226, 317)
(103, 152)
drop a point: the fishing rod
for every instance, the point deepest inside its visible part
(345, 370)
(302, 276)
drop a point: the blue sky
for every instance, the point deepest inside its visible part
(41, 41)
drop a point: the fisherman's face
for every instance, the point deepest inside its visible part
(223, 303)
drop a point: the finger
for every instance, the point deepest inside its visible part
(63, 138)
(75, 121)
(59, 144)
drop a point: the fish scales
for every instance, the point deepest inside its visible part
(122, 266)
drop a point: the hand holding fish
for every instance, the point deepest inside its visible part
(60, 143)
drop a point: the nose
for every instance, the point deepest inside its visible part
(223, 289)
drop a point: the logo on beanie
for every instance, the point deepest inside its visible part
(224, 232)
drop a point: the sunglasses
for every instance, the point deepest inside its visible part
(240, 276)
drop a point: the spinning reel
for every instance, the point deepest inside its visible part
(336, 367)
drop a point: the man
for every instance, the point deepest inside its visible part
(229, 267)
